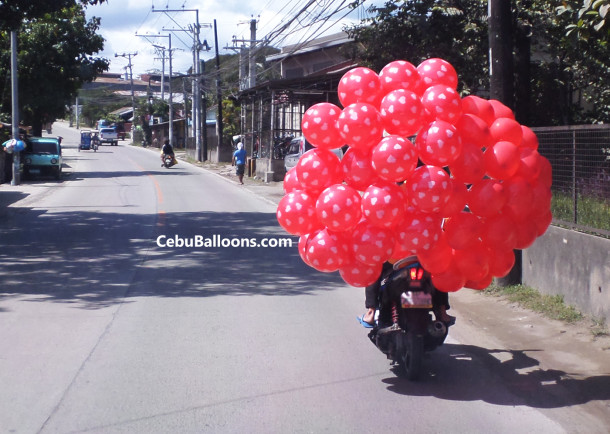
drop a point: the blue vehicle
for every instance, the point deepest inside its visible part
(42, 156)
(89, 140)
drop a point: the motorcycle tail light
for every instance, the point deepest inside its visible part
(416, 273)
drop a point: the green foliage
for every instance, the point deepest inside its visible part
(98, 103)
(552, 306)
(56, 55)
(585, 50)
(422, 29)
(590, 20)
(14, 12)
(568, 75)
(592, 211)
(231, 123)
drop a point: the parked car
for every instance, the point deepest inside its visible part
(109, 135)
(42, 156)
(298, 146)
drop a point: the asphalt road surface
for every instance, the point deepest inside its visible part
(106, 328)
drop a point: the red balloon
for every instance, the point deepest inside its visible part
(439, 143)
(359, 85)
(462, 230)
(383, 204)
(430, 188)
(506, 129)
(486, 198)
(438, 259)
(401, 112)
(541, 201)
(319, 125)
(543, 222)
(437, 71)
(372, 245)
(318, 169)
(468, 167)
(338, 207)
(296, 213)
(450, 280)
(546, 172)
(481, 283)
(358, 274)
(357, 169)
(501, 160)
(479, 107)
(303, 239)
(360, 125)
(526, 233)
(474, 130)
(394, 158)
(529, 164)
(291, 181)
(399, 74)
(499, 232)
(518, 198)
(500, 110)
(443, 102)
(501, 261)
(417, 232)
(457, 199)
(326, 252)
(530, 140)
(473, 262)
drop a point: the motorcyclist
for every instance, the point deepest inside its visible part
(95, 141)
(167, 150)
(440, 300)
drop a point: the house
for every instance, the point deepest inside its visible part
(272, 110)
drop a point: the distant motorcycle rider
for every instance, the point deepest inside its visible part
(167, 150)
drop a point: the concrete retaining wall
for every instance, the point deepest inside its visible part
(574, 265)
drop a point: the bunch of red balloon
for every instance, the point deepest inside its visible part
(456, 181)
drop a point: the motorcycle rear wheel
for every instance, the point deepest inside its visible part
(412, 355)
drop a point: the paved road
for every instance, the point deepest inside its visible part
(102, 330)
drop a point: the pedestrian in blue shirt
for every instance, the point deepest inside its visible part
(239, 160)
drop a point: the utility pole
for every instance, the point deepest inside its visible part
(162, 74)
(501, 85)
(196, 110)
(15, 106)
(252, 63)
(251, 80)
(170, 100)
(219, 126)
(501, 51)
(133, 98)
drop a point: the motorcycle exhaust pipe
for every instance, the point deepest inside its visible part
(437, 329)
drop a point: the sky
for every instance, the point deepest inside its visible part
(128, 26)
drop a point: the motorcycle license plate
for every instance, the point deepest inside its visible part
(415, 300)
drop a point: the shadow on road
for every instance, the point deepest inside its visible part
(471, 373)
(95, 259)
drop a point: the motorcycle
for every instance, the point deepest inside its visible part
(405, 328)
(168, 160)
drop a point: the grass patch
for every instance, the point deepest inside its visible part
(551, 306)
(592, 211)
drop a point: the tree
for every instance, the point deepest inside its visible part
(415, 30)
(589, 20)
(585, 42)
(556, 69)
(56, 55)
(14, 12)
